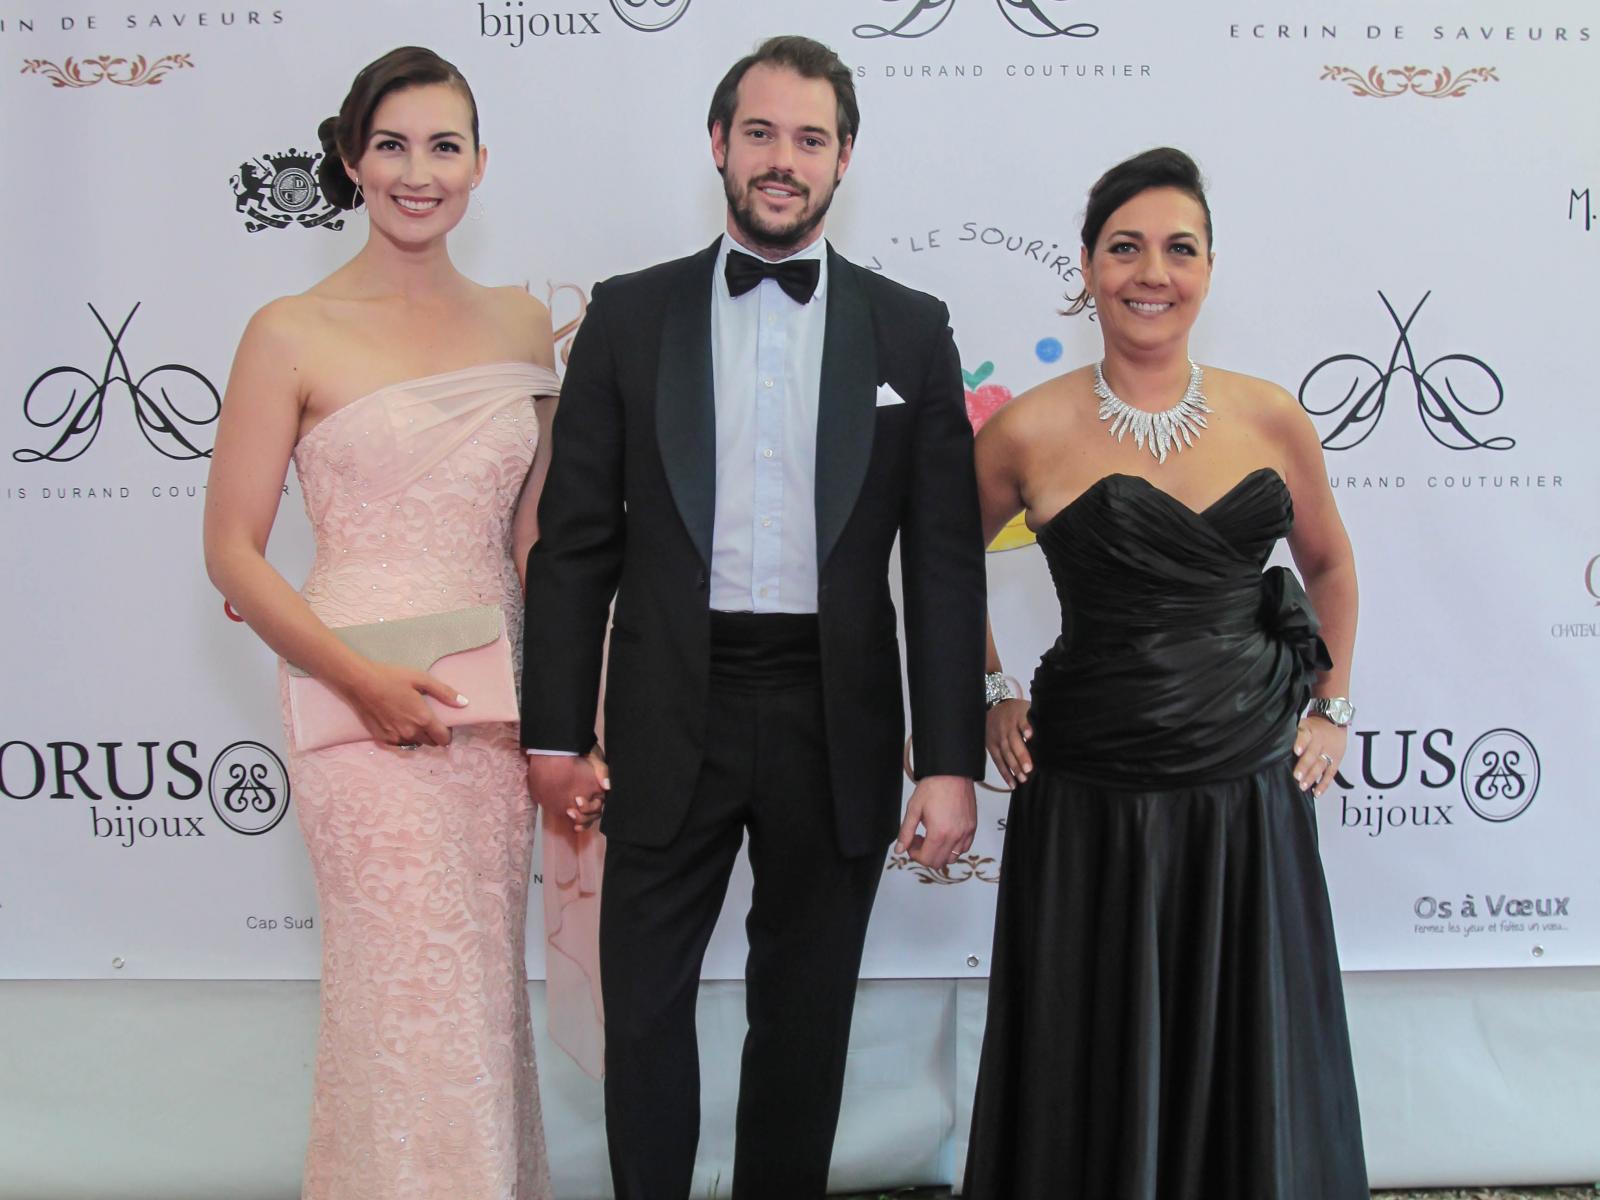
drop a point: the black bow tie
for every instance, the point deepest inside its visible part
(796, 276)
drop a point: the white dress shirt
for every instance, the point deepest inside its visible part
(766, 364)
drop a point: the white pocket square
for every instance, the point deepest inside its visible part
(887, 396)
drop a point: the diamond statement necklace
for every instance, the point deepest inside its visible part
(1163, 431)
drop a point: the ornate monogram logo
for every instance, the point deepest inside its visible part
(1428, 82)
(274, 191)
(249, 788)
(919, 18)
(1444, 413)
(127, 72)
(650, 16)
(568, 329)
(1500, 775)
(166, 400)
(1030, 17)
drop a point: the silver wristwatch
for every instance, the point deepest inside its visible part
(996, 687)
(1336, 709)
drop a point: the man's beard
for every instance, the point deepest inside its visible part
(767, 237)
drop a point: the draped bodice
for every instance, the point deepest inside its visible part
(1180, 661)
(411, 491)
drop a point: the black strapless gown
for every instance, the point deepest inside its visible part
(1166, 1019)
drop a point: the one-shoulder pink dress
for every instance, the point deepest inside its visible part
(425, 1079)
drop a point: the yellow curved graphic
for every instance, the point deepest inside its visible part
(1014, 536)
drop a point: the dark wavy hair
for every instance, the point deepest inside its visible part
(344, 137)
(1162, 167)
(807, 58)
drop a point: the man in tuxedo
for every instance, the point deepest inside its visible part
(742, 435)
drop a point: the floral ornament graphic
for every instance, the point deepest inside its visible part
(968, 867)
(1431, 84)
(1360, 407)
(983, 401)
(126, 72)
(159, 403)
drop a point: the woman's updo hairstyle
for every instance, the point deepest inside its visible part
(344, 137)
(1162, 167)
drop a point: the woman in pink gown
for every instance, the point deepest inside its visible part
(411, 401)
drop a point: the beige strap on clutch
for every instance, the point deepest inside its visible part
(419, 642)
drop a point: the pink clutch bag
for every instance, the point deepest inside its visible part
(467, 649)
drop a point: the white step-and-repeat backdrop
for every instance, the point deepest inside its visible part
(1405, 196)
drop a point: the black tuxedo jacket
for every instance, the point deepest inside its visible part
(627, 513)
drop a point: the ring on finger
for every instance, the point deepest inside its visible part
(1325, 758)
(408, 745)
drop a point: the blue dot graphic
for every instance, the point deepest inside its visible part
(1048, 350)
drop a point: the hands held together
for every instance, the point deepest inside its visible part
(574, 783)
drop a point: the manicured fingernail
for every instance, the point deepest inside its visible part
(606, 784)
(898, 848)
(461, 701)
(1027, 734)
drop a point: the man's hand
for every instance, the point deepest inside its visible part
(946, 808)
(574, 783)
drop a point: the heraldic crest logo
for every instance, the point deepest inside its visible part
(274, 191)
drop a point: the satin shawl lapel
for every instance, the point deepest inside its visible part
(846, 408)
(686, 414)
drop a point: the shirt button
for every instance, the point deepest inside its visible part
(766, 383)
(772, 319)
(766, 522)
(762, 593)
(766, 454)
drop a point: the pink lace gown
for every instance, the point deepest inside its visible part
(425, 1079)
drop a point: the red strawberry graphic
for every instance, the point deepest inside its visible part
(986, 400)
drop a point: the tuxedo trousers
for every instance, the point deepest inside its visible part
(764, 777)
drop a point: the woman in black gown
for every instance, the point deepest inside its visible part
(1166, 1020)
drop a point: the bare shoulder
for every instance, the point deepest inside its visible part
(1046, 408)
(523, 321)
(517, 303)
(284, 329)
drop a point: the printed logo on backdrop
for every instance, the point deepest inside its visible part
(171, 403)
(274, 191)
(249, 788)
(1500, 775)
(919, 18)
(1407, 783)
(1048, 266)
(1580, 209)
(129, 793)
(1430, 83)
(1402, 76)
(650, 16)
(1451, 391)
(1567, 629)
(520, 23)
(1496, 914)
(133, 70)
(570, 314)
(896, 27)
(1454, 397)
(106, 68)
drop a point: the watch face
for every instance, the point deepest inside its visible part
(1339, 710)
